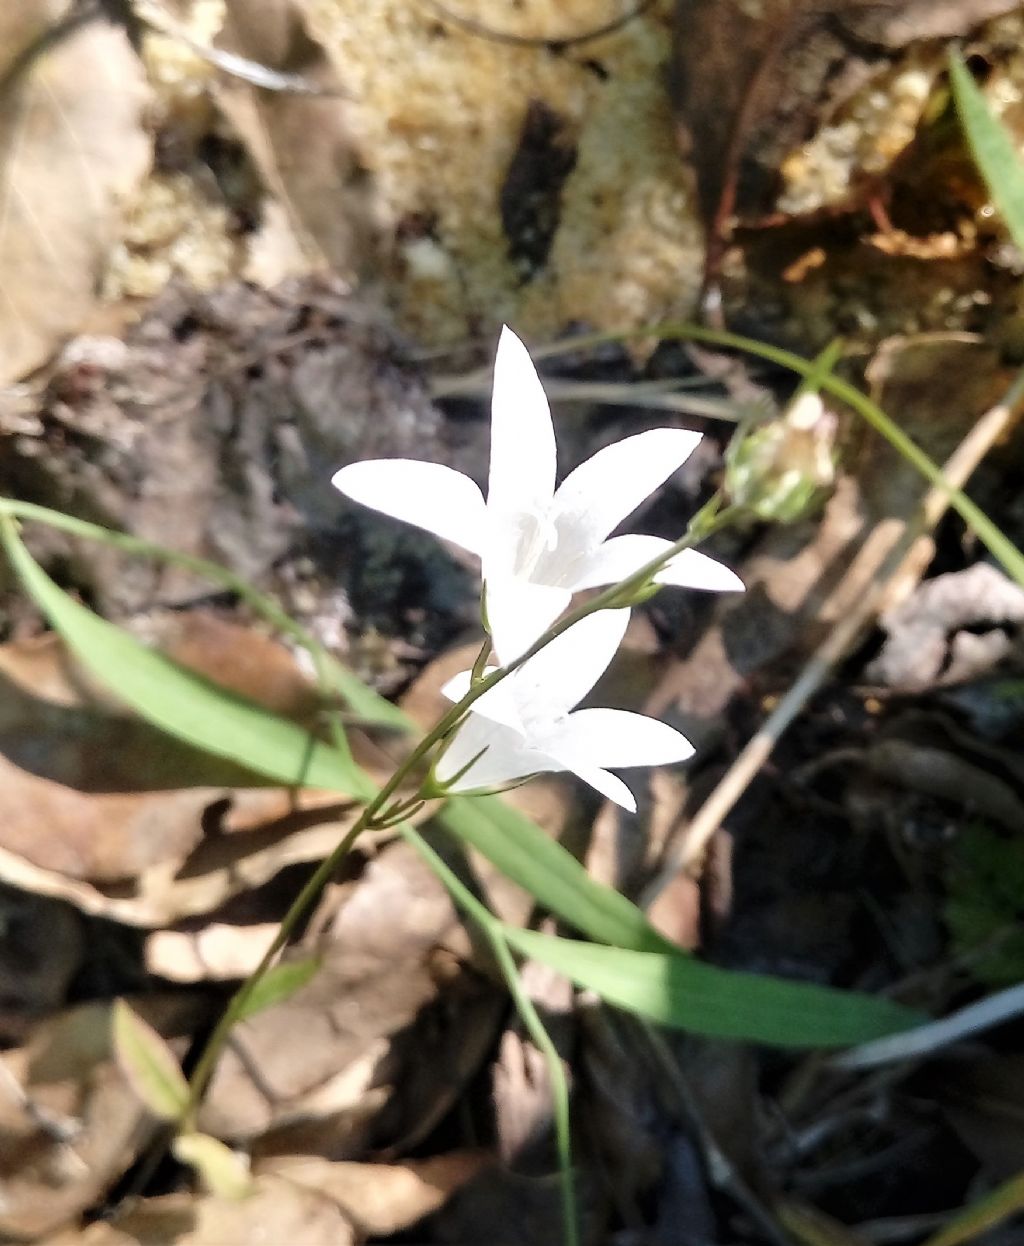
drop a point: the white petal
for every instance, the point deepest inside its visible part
(616, 560)
(620, 557)
(457, 687)
(603, 737)
(497, 704)
(692, 569)
(601, 492)
(611, 787)
(518, 612)
(562, 674)
(503, 756)
(428, 495)
(522, 475)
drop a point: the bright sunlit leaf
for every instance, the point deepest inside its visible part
(992, 146)
(148, 1064)
(181, 703)
(674, 989)
(221, 1171)
(278, 984)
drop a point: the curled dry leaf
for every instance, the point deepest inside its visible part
(72, 148)
(299, 142)
(274, 1211)
(381, 1198)
(938, 635)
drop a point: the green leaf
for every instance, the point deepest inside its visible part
(277, 985)
(361, 699)
(181, 703)
(364, 702)
(673, 989)
(1004, 1201)
(148, 1064)
(549, 872)
(992, 146)
(221, 1171)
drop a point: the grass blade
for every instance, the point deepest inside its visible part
(549, 872)
(1004, 1201)
(992, 147)
(180, 703)
(675, 990)
(336, 678)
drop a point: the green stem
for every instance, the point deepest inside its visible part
(492, 929)
(300, 907)
(309, 894)
(998, 544)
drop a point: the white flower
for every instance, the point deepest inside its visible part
(538, 545)
(523, 725)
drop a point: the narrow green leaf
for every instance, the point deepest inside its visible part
(181, 703)
(148, 1064)
(992, 146)
(549, 872)
(221, 1171)
(277, 985)
(364, 702)
(1004, 1201)
(361, 699)
(673, 989)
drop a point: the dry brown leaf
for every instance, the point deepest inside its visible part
(72, 148)
(933, 635)
(94, 797)
(221, 868)
(276, 1211)
(314, 1073)
(299, 143)
(72, 772)
(381, 1199)
(216, 953)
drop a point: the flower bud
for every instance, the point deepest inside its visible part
(780, 470)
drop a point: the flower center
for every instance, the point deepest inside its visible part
(536, 536)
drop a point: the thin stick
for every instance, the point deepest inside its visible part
(924, 1040)
(901, 554)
